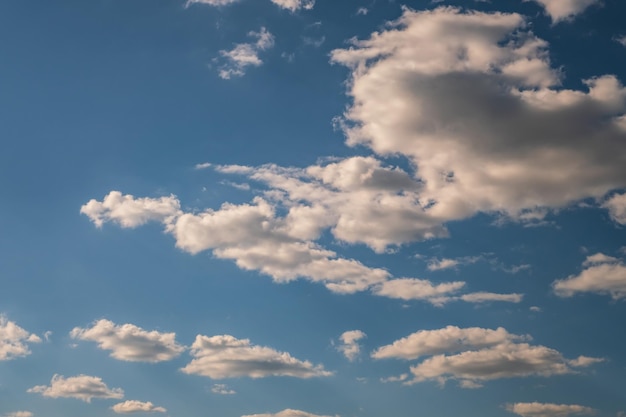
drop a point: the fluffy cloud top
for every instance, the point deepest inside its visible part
(14, 340)
(472, 100)
(536, 409)
(82, 387)
(225, 356)
(350, 343)
(19, 414)
(560, 10)
(132, 406)
(245, 55)
(288, 413)
(602, 275)
(477, 355)
(128, 342)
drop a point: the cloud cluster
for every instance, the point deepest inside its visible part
(224, 356)
(471, 99)
(560, 10)
(133, 406)
(536, 409)
(14, 340)
(256, 238)
(474, 355)
(350, 346)
(602, 274)
(82, 387)
(222, 389)
(245, 55)
(128, 342)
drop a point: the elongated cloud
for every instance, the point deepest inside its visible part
(473, 101)
(288, 413)
(350, 343)
(82, 387)
(536, 409)
(225, 356)
(14, 340)
(472, 356)
(560, 10)
(602, 275)
(128, 342)
(18, 414)
(133, 406)
(446, 340)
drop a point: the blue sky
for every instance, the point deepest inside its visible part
(291, 208)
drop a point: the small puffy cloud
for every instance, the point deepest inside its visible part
(448, 339)
(439, 264)
(133, 406)
(350, 343)
(560, 10)
(128, 211)
(535, 309)
(18, 414)
(212, 2)
(536, 409)
(128, 342)
(82, 387)
(602, 274)
(225, 356)
(245, 55)
(14, 340)
(617, 208)
(293, 5)
(222, 389)
(288, 413)
(621, 40)
(486, 297)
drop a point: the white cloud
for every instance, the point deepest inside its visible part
(212, 2)
(440, 264)
(621, 40)
(446, 340)
(602, 274)
(245, 55)
(82, 387)
(472, 100)
(133, 406)
(560, 10)
(348, 196)
(19, 414)
(222, 389)
(616, 205)
(536, 409)
(225, 356)
(128, 211)
(474, 355)
(14, 340)
(128, 342)
(418, 289)
(293, 5)
(288, 413)
(506, 360)
(535, 309)
(350, 344)
(486, 297)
